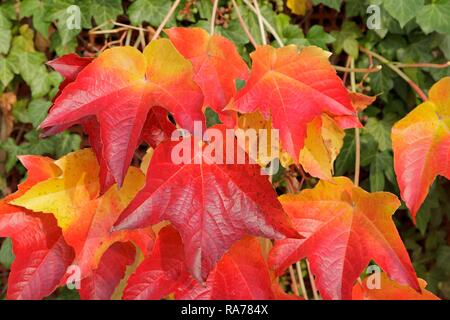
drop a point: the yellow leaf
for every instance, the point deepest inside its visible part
(298, 7)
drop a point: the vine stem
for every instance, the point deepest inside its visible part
(166, 19)
(260, 22)
(300, 278)
(357, 137)
(313, 282)
(294, 285)
(422, 65)
(213, 17)
(396, 69)
(359, 70)
(243, 24)
(266, 24)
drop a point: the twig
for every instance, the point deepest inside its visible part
(294, 285)
(313, 282)
(300, 278)
(422, 65)
(260, 22)
(166, 19)
(357, 138)
(359, 70)
(243, 24)
(266, 24)
(142, 36)
(394, 68)
(213, 17)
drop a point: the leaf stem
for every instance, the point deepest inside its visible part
(266, 24)
(313, 282)
(300, 278)
(260, 22)
(243, 24)
(359, 70)
(294, 285)
(396, 69)
(166, 19)
(422, 65)
(357, 137)
(213, 17)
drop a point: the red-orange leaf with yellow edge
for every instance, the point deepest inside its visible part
(41, 254)
(119, 88)
(345, 228)
(217, 66)
(421, 144)
(293, 88)
(86, 219)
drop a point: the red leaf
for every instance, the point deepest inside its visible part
(211, 205)
(41, 254)
(119, 88)
(217, 66)
(241, 274)
(104, 280)
(345, 227)
(161, 272)
(294, 88)
(68, 66)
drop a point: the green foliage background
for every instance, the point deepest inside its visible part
(35, 31)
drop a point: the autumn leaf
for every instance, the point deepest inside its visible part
(212, 205)
(293, 88)
(119, 88)
(163, 271)
(217, 66)
(323, 142)
(157, 126)
(241, 274)
(421, 144)
(69, 66)
(390, 290)
(345, 228)
(41, 254)
(86, 219)
(100, 285)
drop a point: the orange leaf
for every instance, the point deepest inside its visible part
(344, 227)
(85, 218)
(421, 143)
(391, 290)
(217, 66)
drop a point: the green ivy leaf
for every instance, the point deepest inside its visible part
(435, 17)
(380, 168)
(6, 74)
(5, 33)
(37, 111)
(318, 37)
(346, 39)
(403, 10)
(151, 11)
(36, 10)
(104, 10)
(6, 253)
(380, 130)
